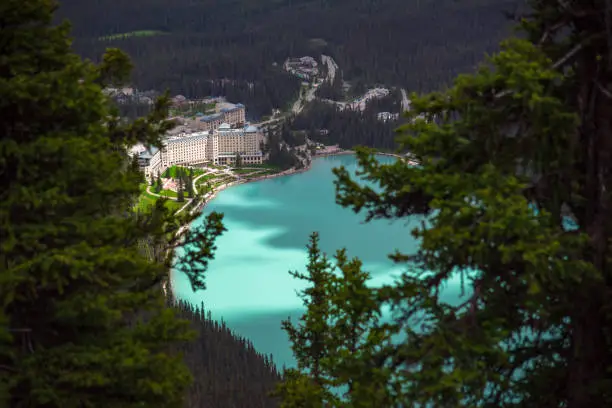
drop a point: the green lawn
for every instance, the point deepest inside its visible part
(147, 200)
(172, 171)
(138, 33)
(203, 180)
(168, 193)
(244, 171)
(267, 173)
(264, 166)
(223, 180)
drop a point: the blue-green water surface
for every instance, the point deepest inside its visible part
(268, 222)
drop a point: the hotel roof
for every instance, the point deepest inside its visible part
(148, 153)
(210, 118)
(189, 137)
(233, 108)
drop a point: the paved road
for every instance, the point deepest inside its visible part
(301, 102)
(331, 67)
(299, 105)
(405, 101)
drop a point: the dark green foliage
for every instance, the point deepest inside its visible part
(346, 128)
(189, 182)
(292, 138)
(414, 44)
(279, 155)
(238, 163)
(84, 317)
(331, 90)
(180, 193)
(158, 184)
(227, 370)
(135, 169)
(514, 181)
(334, 337)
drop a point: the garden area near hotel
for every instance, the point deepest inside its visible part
(181, 184)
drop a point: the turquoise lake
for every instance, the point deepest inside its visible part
(269, 222)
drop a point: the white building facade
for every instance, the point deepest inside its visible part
(234, 115)
(186, 149)
(220, 146)
(244, 142)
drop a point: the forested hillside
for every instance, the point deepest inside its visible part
(237, 47)
(325, 123)
(227, 370)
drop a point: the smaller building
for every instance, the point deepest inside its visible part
(386, 116)
(150, 162)
(179, 100)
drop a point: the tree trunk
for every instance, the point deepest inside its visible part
(591, 351)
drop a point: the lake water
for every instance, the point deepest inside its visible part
(269, 222)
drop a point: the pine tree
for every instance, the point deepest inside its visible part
(338, 329)
(135, 169)
(310, 339)
(158, 184)
(180, 193)
(238, 161)
(513, 183)
(84, 320)
(189, 183)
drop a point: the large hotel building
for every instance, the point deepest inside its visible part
(232, 114)
(219, 146)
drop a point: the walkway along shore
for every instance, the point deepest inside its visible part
(210, 196)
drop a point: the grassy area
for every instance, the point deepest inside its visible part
(147, 200)
(138, 33)
(207, 178)
(168, 193)
(244, 171)
(265, 173)
(172, 171)
(212, 179)
(224, 180)
(264, 166)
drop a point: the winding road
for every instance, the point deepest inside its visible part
(405, 101)
(332, 67)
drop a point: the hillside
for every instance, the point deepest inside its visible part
(237, 47)
(227, 370)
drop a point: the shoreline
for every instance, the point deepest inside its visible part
(344, 152)
(211, 196)
(200, 207)
(283, 173)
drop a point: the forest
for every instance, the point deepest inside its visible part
(325, 123)
(237, 48)
(513, 179)
(228, 371)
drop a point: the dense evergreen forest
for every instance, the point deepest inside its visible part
(227, 370)
(514, 181)
(236, 48)
(326, 123)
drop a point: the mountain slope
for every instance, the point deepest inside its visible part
(416, 44)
